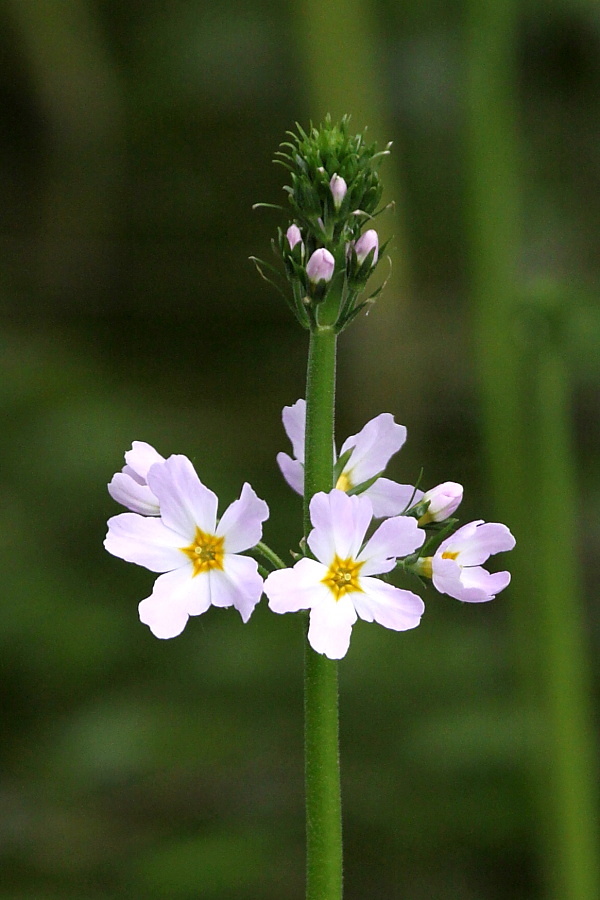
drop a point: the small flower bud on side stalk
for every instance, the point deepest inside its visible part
(319, 271)
(362, 258)
(439, 503)
(294, 236)
(367, 243)
(338, 188)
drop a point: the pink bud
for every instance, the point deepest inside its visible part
(443, 501)
(293, 236)
(320, 266)
(365, 244)
(338, 189)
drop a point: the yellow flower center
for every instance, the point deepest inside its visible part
(206, 552)
(448, 554)
(344, 482)
(342, 577)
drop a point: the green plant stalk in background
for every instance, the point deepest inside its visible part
(321, 720)
(570, 765)
(528, 452)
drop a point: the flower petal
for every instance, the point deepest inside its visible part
(471, 585)
(476, 541)
(184, 589)
(392, 607)
(391, 499)
(184, 501)
(137, 497)
(238, 584)
(146, 542)
(340, 525)
(394, 538)
(374, 446)
(241, 523)
(490, 584)
(294, 422)
(290, 590)
(489, 538)
(293, 472)
(330, 626)
(165, 616)
(141, 457)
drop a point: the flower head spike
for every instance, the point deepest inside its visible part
(337, 587)
(130, 487)
(197, 554)
(368, 453)
(456, 568)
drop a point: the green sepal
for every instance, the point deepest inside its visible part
(341, 464)
(364, 485)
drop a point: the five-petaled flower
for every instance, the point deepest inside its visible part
(371, 450)
(197, 554)
(337, 587)
(456, 567)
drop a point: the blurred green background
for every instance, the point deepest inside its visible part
(134, 139)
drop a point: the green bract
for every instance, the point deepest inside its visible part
(312, 160)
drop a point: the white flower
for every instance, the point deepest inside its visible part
(130, 487)
(337, 587)
(198, 555)
(372, 449)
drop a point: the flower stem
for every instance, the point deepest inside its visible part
(321, 730)
(266, 552)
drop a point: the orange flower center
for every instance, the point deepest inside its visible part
(342, 577)
(206, 552)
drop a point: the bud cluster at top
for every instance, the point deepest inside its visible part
(334, 192)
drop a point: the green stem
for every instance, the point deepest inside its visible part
(321, 729)
(266, 552)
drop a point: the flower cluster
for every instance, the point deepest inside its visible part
(334, 193)
(173, 529)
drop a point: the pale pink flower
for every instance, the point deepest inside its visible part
(456, 568)
(372, 448)
(197, 554)
(337, 587)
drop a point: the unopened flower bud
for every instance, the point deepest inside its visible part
(320, 266)
(443, 502)
(367, 242)
(338, 189)
(293, 236)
